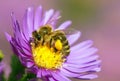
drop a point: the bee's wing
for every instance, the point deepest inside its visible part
(70, 31)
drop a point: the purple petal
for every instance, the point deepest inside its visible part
(30, 20)
(83, 45)
(54, 19)
(90, 76)
(14, 47)
(64, 25)
(59, 77)
(94, 68)
(47, 16)
(16, 27)
(78, 54)
(71, 65)
(23, 59)
(13, 20)
(25, 27)
(39, 73)
(9, 38)
(51, 79)
(84, 60)
(38, 17)
(30, 64)
(34, 69)
(68, 73)
(19, 38)
(73, 38)
(98, 69)
(97, 62)
(45, 72)
(22, 49)
(73, 69)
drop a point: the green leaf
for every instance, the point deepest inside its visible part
(1, 55)
(27, 77)
(17, 69)
(19, 72)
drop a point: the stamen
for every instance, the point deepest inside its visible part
(44, 57)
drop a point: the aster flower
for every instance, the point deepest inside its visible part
(48, 52)
(1, 67)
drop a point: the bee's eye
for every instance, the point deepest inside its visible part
(58, 44)
(38, 37)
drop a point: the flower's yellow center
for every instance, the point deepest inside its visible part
(45, 57)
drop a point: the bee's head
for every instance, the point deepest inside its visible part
(45, 30)
(36, 35)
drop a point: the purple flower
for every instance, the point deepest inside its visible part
(48, 52)
(1, 67)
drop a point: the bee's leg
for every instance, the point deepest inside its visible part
(42, 41)
(51, 43)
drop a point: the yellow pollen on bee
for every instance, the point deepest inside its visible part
(45, 57)
(58, 45)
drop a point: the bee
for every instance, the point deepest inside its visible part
(53, 39)
(38, 37)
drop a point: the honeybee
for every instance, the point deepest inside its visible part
(45, 36)
(38, 37)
